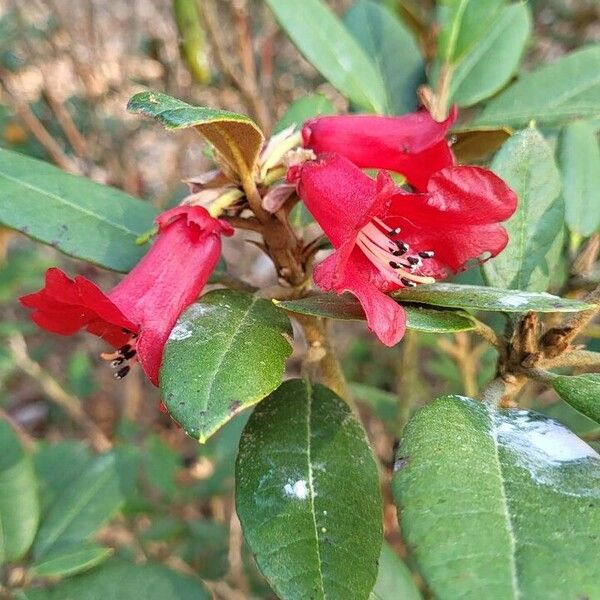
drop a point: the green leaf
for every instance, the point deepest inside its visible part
(491, 501)
(69, 560)
(307, 494)
(488, 299)
(493, 60)
(393, 50)
(192, 39)
(565, 90)
(478, 144)
(81, 218)
(237, 137)
(463, 22)
(582, 392)
(119, 580)
(327, 44)
(226, 353)
(346, 306)
(526, 163)
(92, 498)
(579, 159)
(394, 579)
(19, 505)
(303, 109)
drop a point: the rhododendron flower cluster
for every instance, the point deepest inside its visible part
(387, 237)
(137, 316)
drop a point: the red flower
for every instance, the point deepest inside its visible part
(138, 314)
(412, 144)
(387, 238)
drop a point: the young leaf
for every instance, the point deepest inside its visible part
(307, 494)
(488, 65)
(565, 90)
(463, 22)
(582, 392)
(226, 353)
(347, 307)
(393, 50)
(477, 144)
(19, 505)
(237, 137)
(579, 159)
(124, 581)
(303, 109)
(326, 43)
(65, 561)
(82, 507)
(491, 501)
(81, 218)
(526, 163)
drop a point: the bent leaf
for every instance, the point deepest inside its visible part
(308, 495)
(227, 352)
(565, 90)
(19, 504)
(347, 307)
(477, 144)
(491, 501)
(72, 559)
(582, 392)
(326, 43)
(394, 579)
(526, 162)
(237, 137)
(75, 215)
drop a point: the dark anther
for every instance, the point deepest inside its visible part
(412, 260)
(396, 253)
(395, 231)
(407, 282)
(118, 361)
(427, 254)
(122, 372)
(126, 331)
(403, 247)
(123, 349)
(394, 265)
(129, 354)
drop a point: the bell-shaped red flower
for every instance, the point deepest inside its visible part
(387, 238)
(412, 144)
(138, 314)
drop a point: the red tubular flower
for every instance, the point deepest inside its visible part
(387, 238)
(138, 314)
(412, 144)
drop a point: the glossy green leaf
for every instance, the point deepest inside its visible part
(82, 507)
(490, 63)
(582, 392)
(327, 44)
(226, 353)
(71, 559)
(394, 579)
(303, 109)
(579, 160)
(489, 299)
(307, 494)
(237, 137)
(526, 162)
(118, 580)
(392, 49)
(491, 502)
(19, 505)
(463, 22)
(565, 90)
(346, 306)
(79, 217)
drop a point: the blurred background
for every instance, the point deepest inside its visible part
(67, 69)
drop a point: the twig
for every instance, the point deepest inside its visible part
(236, 566)
(465, 359)
(68, 402)
(575, 358)
(488, 334)
(407, 377)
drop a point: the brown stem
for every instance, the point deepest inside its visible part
(576, 358)
(68, 402)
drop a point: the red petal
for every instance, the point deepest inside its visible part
(458, 218)
(356, 275)
(412, 144)
(340, 197)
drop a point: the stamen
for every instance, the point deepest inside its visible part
(122, 372)
(427, 254)
(403, 247)
(414, 260)
(407, 282)
(117, 362)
